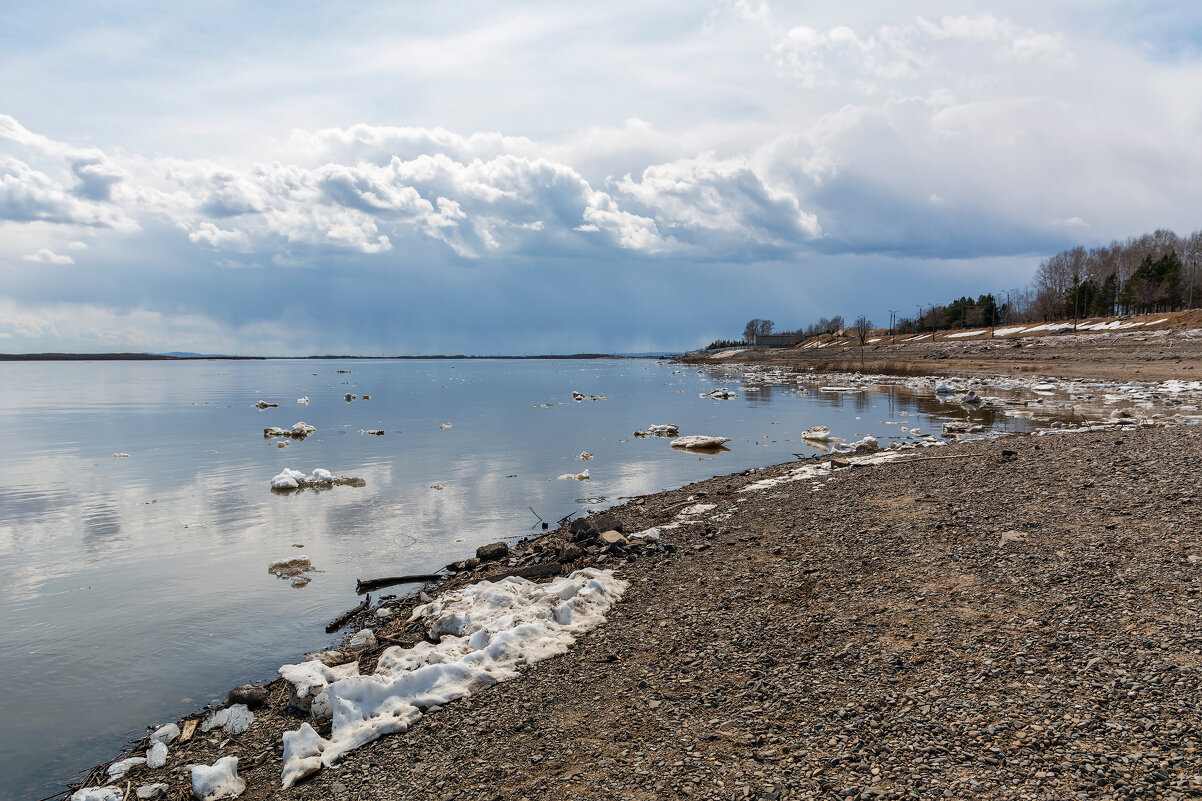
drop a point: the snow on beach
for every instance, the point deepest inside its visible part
(481, 634)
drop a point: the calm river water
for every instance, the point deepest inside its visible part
(135, 589)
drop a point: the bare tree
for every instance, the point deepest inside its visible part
(757, 328)
(861, 328)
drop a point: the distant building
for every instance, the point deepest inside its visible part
(774, 340)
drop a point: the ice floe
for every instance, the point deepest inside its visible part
(303, 400)
(293, 570)
(659, 430)
(289, 479)
(299, 430)
(818, 434)
(699, 442)
(581, 476)
(479, 635)
(722, 393)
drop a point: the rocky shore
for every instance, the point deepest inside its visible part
(1007, 618)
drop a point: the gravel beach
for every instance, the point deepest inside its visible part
(1007, 618)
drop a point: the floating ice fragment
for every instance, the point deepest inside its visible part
(444, 426)
(581, 476)
(585, 456)
(120, 455)
(299, 430)
(303, 400)
(261, 405)
(219, 780)
(289, 479)
(699, 442)
(722, 393)
(817, 433)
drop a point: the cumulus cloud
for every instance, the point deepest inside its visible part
(48, 256)
(29, 195)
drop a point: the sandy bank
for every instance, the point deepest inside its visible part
(1150, 355)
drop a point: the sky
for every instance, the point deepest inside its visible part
(389, 178)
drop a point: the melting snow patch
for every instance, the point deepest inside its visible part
(219, 780)
(482, 633)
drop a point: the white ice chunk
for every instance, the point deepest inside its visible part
(581, 476)
(817, 433)
(156, 756)
(303, 400)
(483, 633)
(362, 640)
(119, 768)
(232, 720)
(219, 780)
(649, 534)
(287, 479)
(699, 441)
(110, 793)
(156, 790)
(165, 734)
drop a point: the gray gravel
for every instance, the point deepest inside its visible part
(1021, 622)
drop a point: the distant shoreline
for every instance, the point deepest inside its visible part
(100, 357)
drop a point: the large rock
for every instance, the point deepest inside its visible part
(586, 528)
(248, 694)
(611, 537)
(492, 552)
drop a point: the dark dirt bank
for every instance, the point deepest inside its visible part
(1020, 620)
(1111, 356)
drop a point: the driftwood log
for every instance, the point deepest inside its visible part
(342, 619)
(363, 585)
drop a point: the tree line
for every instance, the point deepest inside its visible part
(1156, 272)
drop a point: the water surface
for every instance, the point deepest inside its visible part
(135, 589)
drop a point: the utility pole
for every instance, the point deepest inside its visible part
(893, 323)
